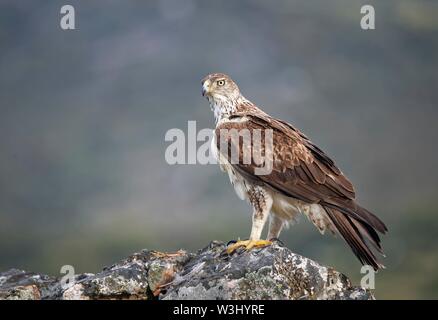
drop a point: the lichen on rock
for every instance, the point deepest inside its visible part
(273, 272)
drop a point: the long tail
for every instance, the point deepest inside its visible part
(355, 224)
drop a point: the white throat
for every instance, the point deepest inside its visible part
(222, 107)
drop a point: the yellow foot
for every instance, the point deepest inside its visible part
(248, 245)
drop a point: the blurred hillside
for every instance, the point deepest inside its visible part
(83, 180)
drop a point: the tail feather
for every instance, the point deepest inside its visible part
(370, 234)
(353, 231)
(352, 209)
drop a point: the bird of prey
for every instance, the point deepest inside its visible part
(302, 179)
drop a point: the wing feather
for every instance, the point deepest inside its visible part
(303, 171)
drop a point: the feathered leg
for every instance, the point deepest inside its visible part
(262, 203)
(275, 226)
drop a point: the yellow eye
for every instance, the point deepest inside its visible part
(220, 82)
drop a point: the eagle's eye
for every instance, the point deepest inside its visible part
(220, 83)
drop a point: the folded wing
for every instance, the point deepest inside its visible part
(303, 171)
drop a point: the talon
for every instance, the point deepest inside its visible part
(248, 245)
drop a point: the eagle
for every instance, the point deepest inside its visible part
(302, 178)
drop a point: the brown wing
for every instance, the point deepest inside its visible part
(303, 171)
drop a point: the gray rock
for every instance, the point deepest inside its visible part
(21, 285)
(272, 272)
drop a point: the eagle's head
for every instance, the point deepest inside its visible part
(222, 93)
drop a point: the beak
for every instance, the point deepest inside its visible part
(205, 88)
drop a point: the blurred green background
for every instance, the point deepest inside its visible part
(83, 114)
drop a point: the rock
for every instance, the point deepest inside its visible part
(272, 272)
(21, 285)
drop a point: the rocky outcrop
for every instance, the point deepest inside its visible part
(272, 272)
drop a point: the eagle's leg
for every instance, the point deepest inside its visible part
(262, 203)
(275, 226)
